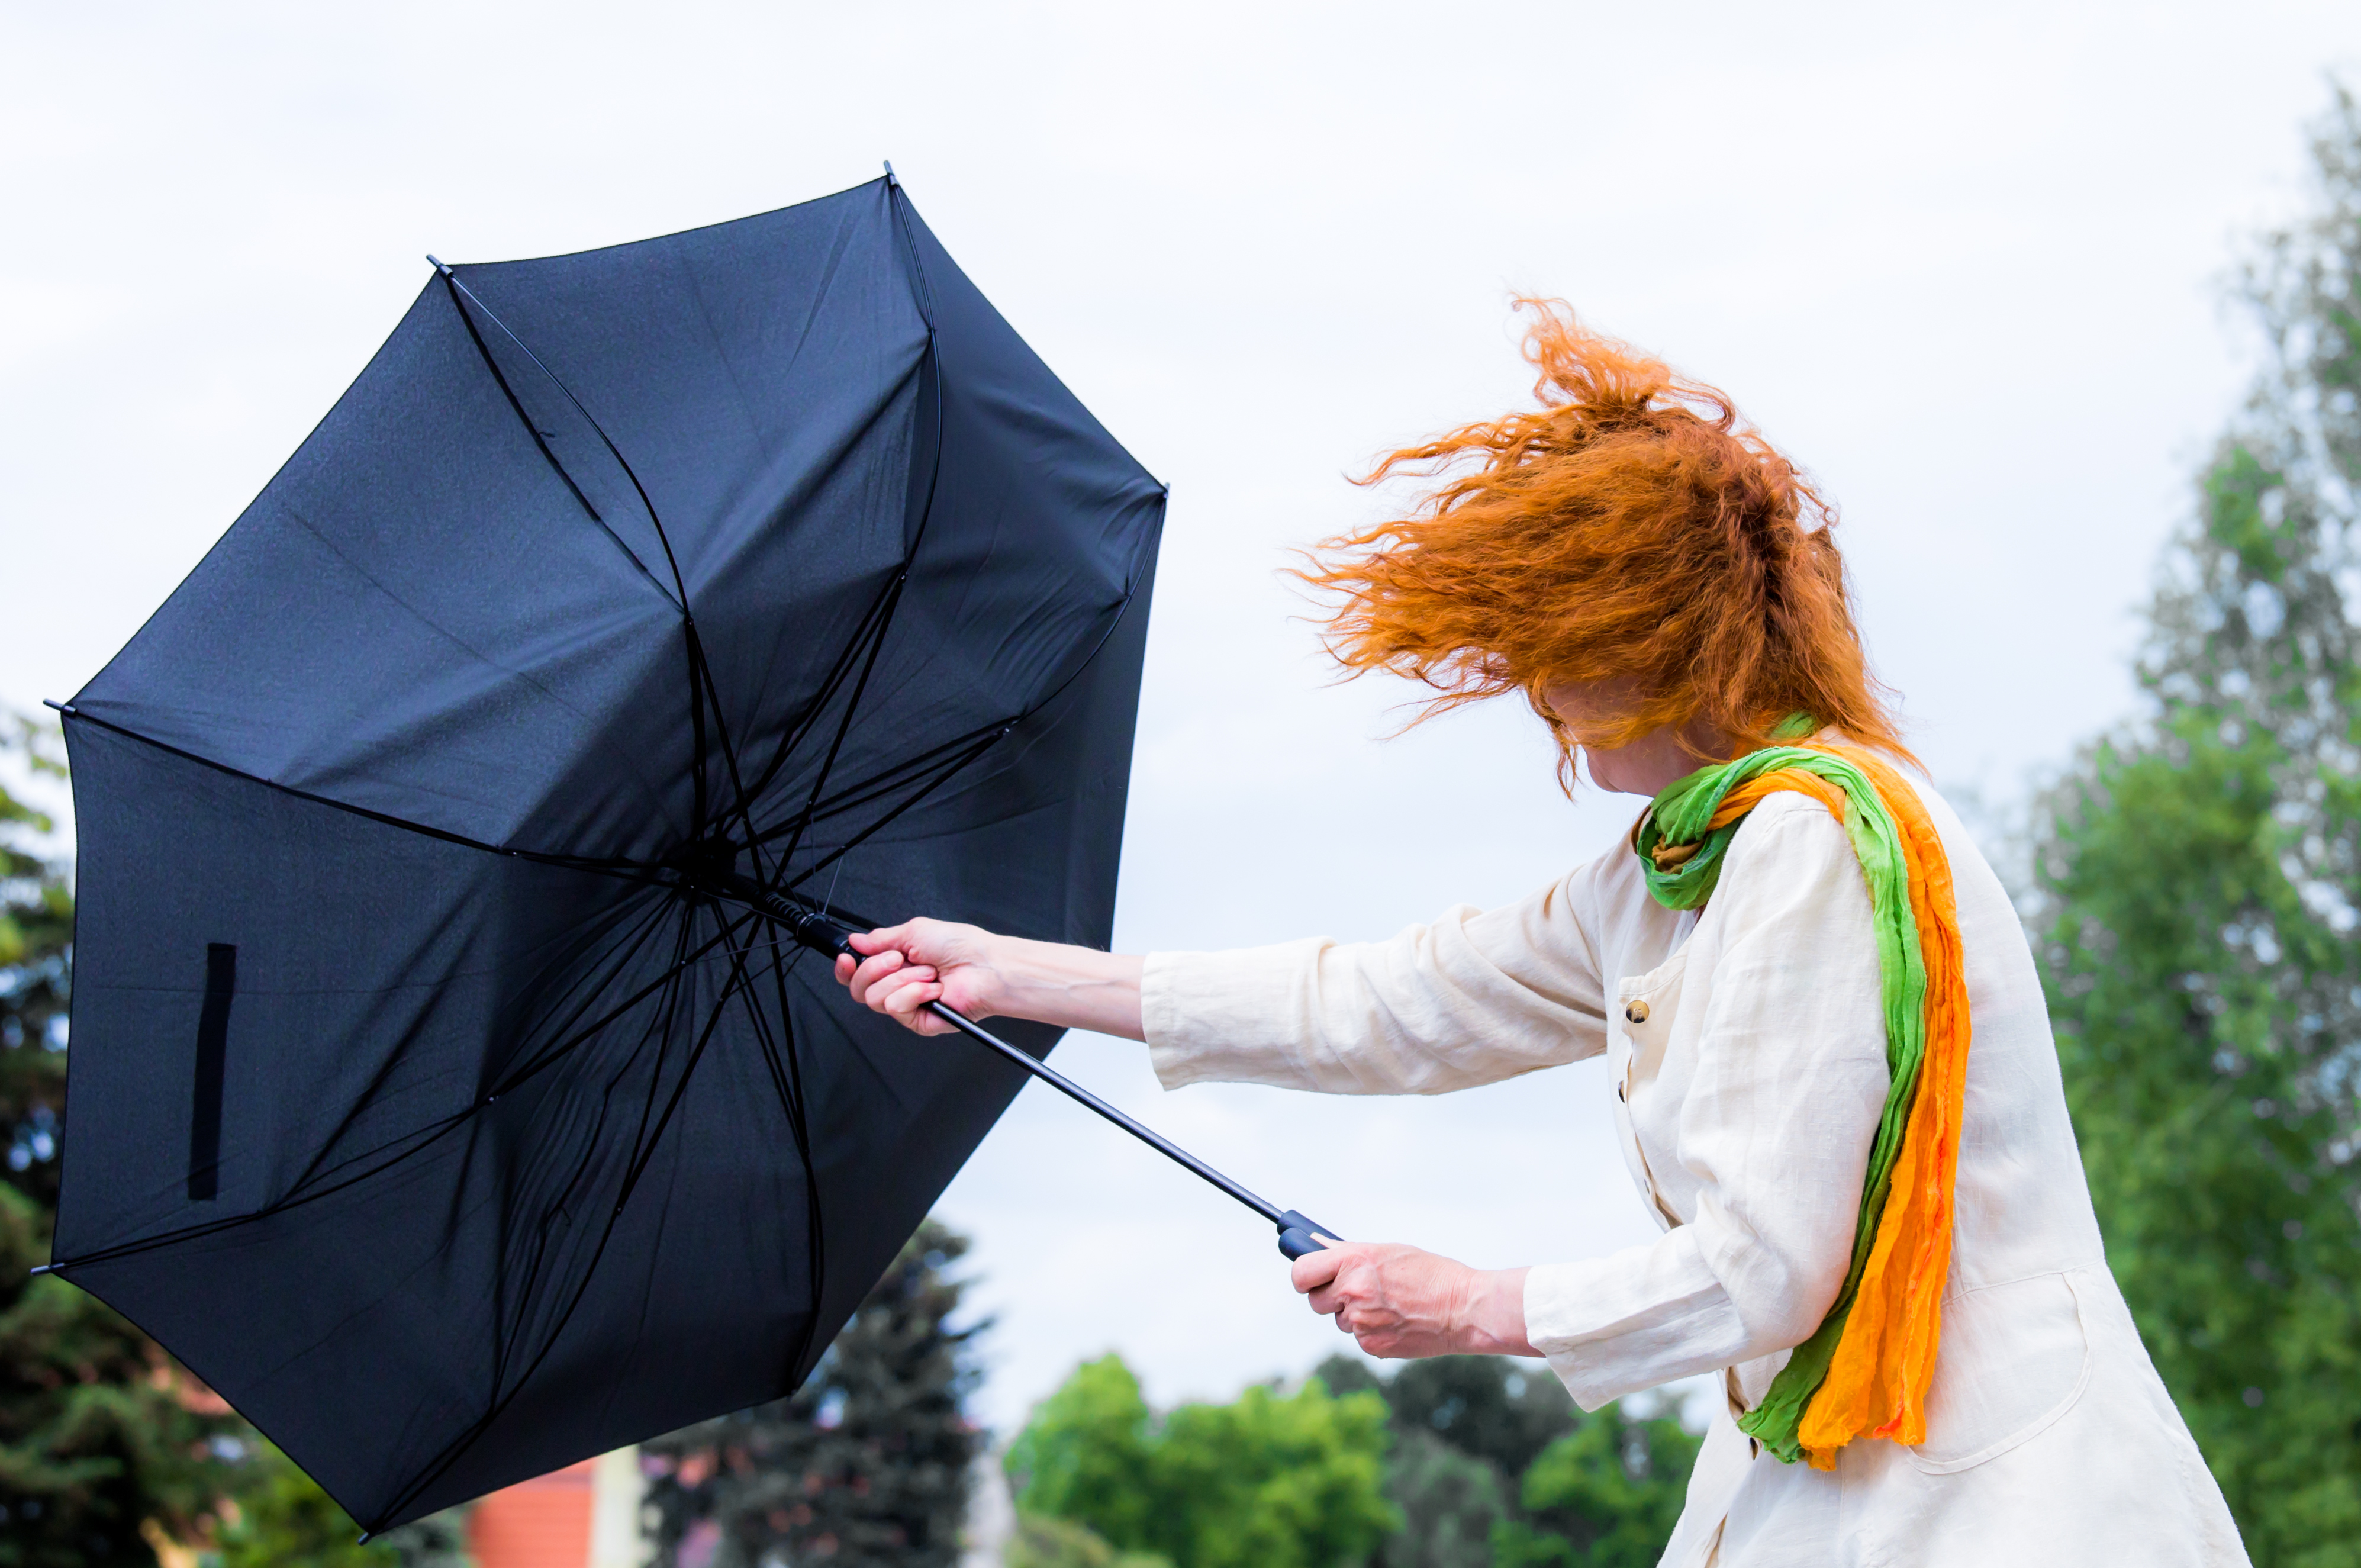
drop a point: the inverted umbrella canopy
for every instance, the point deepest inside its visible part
(446, 1091)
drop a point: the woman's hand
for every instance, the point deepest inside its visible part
(1399, 1303)
(983, 974)
(907, 966)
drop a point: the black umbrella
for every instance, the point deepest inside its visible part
(446, 1090)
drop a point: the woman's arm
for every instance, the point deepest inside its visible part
(985, 975)
(1471, 997)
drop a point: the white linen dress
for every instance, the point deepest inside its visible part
(1747, 1048)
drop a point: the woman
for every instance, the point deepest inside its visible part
(1837, 1088)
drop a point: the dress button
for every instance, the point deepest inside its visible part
(1637, 1013)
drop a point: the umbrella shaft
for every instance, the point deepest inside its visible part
(1075, 1091)
(821, 934)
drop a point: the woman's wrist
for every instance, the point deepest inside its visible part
(1052, 982)
(1492, 1313)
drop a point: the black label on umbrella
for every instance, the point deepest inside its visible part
(212, 1046)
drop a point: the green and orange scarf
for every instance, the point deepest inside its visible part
(1866, 1368)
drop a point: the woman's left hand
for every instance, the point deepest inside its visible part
(1400, 1302)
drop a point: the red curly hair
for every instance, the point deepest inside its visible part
(1629, 536)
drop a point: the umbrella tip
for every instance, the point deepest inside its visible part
(889, 174)
(439, 265)
(65, 708)
(44, 1268)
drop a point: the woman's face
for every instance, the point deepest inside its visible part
(1645, 766)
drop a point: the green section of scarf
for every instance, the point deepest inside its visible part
(1679, 815)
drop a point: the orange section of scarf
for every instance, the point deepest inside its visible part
(1877, 1380)
(1749, 794)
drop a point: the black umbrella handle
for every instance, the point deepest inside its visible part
(1299, 1233)
(822, 935)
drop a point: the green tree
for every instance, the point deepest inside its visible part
(1465, 1428)
(35, 956)
(105, 1444)
(1605, 1496)
(1486, 1405)
(1266, 1481)
(2198, 886)
(1492, 1464)
(1450, 1501)
(1088, 1454)
(866, 1465)
(1041, 1541)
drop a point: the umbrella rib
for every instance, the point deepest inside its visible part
(476, 1428)
(741, 806)
(882, 783)
(680, 598)
(854, 842)
(671, 1013)
(815, 1227)
(699, 667)
(644, 1150)
(525, 1288)
(483, 350)
(839, 802)
(925, 303)
(851, 705)
(601, 978)
(552, 1054)
(587, 996)
(612, 866)
(818, 704)
(926, 513)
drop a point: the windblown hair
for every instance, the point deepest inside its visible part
(1629, 536)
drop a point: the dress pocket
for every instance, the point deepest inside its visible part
(2013, 1358)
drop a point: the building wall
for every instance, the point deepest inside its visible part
(585, 1516)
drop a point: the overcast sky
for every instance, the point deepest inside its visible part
(1964, 269)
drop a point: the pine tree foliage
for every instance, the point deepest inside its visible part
(2198, 890)
(36, 950)
(865, 1466)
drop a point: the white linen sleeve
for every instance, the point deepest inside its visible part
(1775, 1126)
(1470, 998)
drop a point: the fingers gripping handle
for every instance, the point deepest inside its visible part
(1299, 1234)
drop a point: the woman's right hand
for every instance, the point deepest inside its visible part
(984, 975)
(907, 966)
